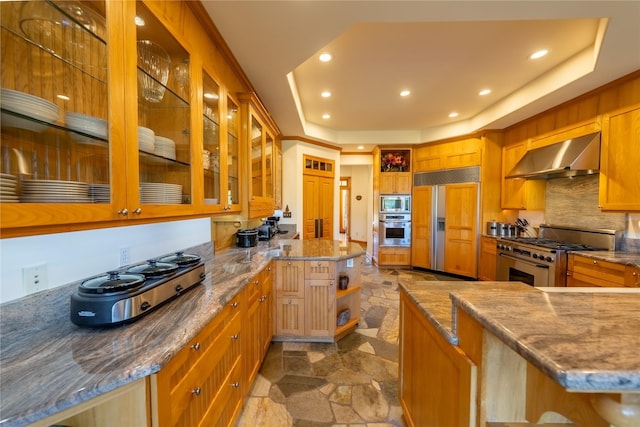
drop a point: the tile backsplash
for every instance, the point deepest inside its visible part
(574, 202)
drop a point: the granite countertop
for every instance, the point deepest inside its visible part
(585, 340)
(47, 364)
(619, 257)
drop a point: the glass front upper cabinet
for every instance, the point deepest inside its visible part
(233, 155)
(164, 140)
(211, 141)
(54, 95)
(256, 158)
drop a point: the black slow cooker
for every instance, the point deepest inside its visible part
(247, 238)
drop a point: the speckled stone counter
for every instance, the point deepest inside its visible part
(586, 341)
(47, 364)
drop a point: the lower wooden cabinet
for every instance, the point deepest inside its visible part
(488, 258)
(309, 304)
(201, 385)
(584, 271)
(394, 256)
(437, 379)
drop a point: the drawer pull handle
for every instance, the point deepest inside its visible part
(256, 282)
(234, 305)
(196, 346)
(330, 283)
(196, 391)
(635, 274)
(235, 385)
(235, 336)
(595, 262)
(289, 302)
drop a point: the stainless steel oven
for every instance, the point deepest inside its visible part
(395, 230)
(511, 268)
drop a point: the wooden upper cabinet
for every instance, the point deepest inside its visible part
(518, 193)
(260, 140)
(395, 183)
(448, 155)
(620, 157)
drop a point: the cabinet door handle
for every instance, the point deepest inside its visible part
(595, 262)
(137, 211)
(235, 336)
(234, 305)
(196, 391)
(289, 302)
(256, 282)
(196, 346)
(235, 385)
(123, 212)
(331, 283)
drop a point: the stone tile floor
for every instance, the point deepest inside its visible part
(353, 382)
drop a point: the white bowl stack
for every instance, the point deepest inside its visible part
(8, 188)
(27, 105)
(165, 147)
(52, 191)
(100, 193)
(86, 124)
(160, 193)
(146, 139)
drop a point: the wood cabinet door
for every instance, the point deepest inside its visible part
(619, 160)
(325, 207)
(461, 233)
(488, 259)
(317, 206)
(289, 278)
(320, 308)
(437, 379)
(421, 227)
(266, 312)
(289, 316)
(512, 194)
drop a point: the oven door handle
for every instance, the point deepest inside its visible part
(525, 261)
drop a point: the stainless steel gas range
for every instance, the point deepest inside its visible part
(542, 261)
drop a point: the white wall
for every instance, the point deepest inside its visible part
(78, 255)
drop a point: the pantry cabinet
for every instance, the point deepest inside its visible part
(421, 227)
(619, 160)
(202, 384)
(119, 114)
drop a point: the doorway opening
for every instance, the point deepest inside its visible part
(345, 207)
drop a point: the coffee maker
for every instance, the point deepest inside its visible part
(273, 222)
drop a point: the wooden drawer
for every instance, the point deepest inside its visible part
(596, 272)
(319, 270)
(632, 277)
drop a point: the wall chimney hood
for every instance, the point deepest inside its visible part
(573, 157)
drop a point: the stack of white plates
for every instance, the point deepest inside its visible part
(100, 193)
(52, 191)
(146, 139)
(8, 188)
(165, 147)
(87, 124)
(28, 105)
(160, 193)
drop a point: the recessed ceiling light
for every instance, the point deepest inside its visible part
(63, 97)
(326, 116)
(360, 147)
(326, 94)
(454, 114)
(484, 92)
(405, 93)
(325, 57)
(211, 95)
(538, 54)
(139, 21)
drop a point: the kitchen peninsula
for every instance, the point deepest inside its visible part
(508, 352)
(50, 367)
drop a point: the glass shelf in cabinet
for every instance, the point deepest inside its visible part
(158, 159)
(174, 98)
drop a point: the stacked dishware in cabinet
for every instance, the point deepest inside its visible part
(54, 102)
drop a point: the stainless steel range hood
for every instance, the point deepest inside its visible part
(573, 157)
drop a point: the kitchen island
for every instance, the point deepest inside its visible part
(49, 367)
(509, 352)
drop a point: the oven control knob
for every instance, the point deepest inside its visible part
(145, 306)
(549, 259)
(535, 256)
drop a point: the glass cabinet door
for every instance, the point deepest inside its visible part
(269, 166)
(233, 155)
(164, 140)
(211, 141)
(256, 158)
(54, 146)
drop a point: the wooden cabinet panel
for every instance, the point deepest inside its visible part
(632, 276)
(437, 380)
(488, 259)
(394, 256)
(320, 308)
(448, 155)
(421, 227)
(619, 160)
(319, 270)
(317, 206)
(583, 271)
(289, 278)
(461, 229)
(395, 183)
(258, 326)
(518, 193)
(289, 317)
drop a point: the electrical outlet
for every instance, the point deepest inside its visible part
(350, 263)
(34, 278)
(125, 256)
